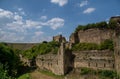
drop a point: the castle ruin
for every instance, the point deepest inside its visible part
(66, 60)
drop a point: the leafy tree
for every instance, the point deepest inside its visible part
(112, 24)
(3, 72)
(42, 48)
(10, 59)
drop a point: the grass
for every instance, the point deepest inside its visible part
(51, 74)
(103, 74)
(25, 76)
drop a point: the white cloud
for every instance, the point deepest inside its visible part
(5, 13)
(39, 36)
(89, 10)
(18, 18)
(21, 11)
(13, 27)
(39, 33)
(43, 17)
(30, 24)
(55, 23)
(10, 37)
(83, 3)
(59, 2)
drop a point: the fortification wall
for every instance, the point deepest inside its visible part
(95, 35)
(94, 59)
(47, 62)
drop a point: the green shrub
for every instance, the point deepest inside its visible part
(84, 46)
(42, 48)
(85, 71)
(4, 72)
(9, 59)
(99, 25)
(107, 44)
(107, 73)
(103, 74)
(112, 24)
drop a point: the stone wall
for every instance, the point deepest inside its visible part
(59, 63)
(94, 35)
(94, 59)
(59, 38)
(27, 62)
(117, 52)
(65, 60)
(47, 62)
(74, 38)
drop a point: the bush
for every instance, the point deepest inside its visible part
(99, 25)
(4, 72)
(9, 60)
(84, 46)
(107, 44)
(103, 74)
(112, 24)
(107, 73)
(85, 71)
(42, 48)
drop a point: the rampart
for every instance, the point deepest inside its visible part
(94, 35)
(94, 59)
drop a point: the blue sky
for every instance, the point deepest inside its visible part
(39, 20)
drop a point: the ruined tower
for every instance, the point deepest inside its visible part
(59, 38)
(61, 57)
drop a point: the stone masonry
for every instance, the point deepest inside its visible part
(66, 60)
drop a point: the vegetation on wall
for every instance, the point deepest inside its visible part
(103, 74)
(100, 25)
(42, 48)
(107, 44)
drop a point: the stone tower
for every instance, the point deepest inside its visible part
(61, 58)
(59, 38)
(117, 43)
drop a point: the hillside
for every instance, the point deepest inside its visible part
(21, 46)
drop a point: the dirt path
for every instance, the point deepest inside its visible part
(38, 75)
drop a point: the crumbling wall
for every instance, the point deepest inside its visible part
(74, 38)
(59, 38)
(94, 59)
(93, 35)
(47, 62)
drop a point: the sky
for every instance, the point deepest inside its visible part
(34, 21)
